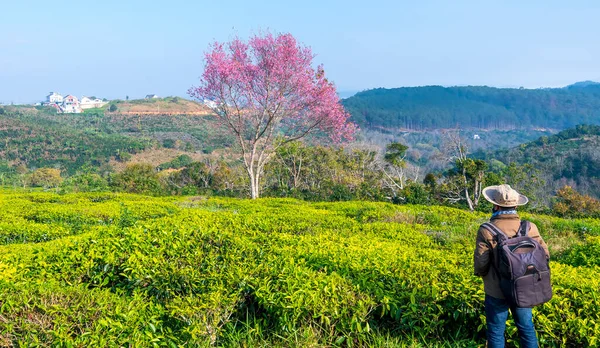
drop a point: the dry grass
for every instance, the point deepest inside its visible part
(162, 107)
(404, 218)
(559, 244)
(6, 340)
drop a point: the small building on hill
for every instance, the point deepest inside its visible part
(151, 96)
(54, 97)
(71, 105)
(89, 103)
(210, 103)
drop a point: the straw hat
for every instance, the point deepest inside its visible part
(504, 196)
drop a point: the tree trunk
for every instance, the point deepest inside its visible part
(254, 176)
(469, 201)
(467, 196)
(253, 188)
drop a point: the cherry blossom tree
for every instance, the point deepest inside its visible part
(266, 93)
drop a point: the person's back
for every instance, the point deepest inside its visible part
(505, 218)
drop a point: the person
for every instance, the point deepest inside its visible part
(504, 216)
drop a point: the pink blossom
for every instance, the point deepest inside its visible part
(267, 93)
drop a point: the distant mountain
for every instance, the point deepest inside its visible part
(583, 84)
(434, 107)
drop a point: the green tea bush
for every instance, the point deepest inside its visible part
(146, 271)
(587, 254)
(51, 315)
(22, 231)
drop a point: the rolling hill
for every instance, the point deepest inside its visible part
(568, 158)
(39, 137)
(435, 107)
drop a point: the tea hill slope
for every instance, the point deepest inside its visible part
(126, 270)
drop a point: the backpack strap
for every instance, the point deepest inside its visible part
(495, 231)
(524, 228)
(500, 236)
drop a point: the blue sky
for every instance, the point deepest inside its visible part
(116, 48)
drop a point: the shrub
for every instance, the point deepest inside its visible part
(587, 254)
(570, 203)
(45, 177)
(85, 182)
(176, 163)
(415, 193)
(123, 156)
(169, 143)
(137, 178)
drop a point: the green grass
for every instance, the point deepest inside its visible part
(100, 110)
(130, 270)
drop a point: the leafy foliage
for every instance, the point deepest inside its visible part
(36, 142)
(586, 254)
(137, 178)
(45, 177)
(85, 182)
(178, 162)
(323, 173)
(569, 158)
(139, 271)
(570, 203)
(395, 153)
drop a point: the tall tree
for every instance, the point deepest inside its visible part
(393, 166)
(266, 93)
(465, 181)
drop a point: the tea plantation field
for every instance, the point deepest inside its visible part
(124, 270)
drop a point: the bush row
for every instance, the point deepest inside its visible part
(216, 271)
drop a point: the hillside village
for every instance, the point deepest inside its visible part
(70, 104)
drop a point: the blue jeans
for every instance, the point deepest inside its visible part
(496, 313)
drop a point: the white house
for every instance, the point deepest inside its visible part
(70, 100)
(88, 103)
(54, 97)
(210, 103)
(70, 105)
(476, 137)
(151, 96)
(70, 109)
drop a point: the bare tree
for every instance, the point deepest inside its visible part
(471, 173)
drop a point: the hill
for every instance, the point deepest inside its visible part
(481, 107)
(583, 84)
(31, 141)
(569, 157)
(37, 137)
(106, 269)
(159, 106)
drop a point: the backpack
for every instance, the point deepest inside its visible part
(522, 266)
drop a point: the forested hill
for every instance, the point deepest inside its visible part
(570, 157)
(476, 107)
